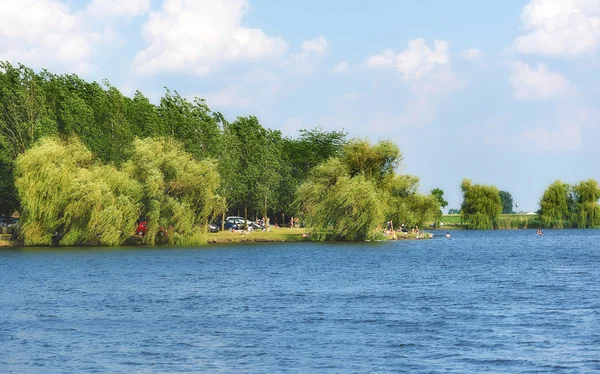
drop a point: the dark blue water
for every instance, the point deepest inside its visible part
(489, 301)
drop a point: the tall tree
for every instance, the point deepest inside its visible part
(349, 197)
(587, 210)
(481, 205)
(23, 120)
(250, 165)
(179, 192)
(68, 196)
(507, 202)
(555, 205)
(439, 196)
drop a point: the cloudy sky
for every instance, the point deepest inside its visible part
(501, 92)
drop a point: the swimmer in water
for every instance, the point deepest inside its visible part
(448, 236)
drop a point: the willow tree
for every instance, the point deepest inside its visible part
(405, 205)
(349, 197)
(338, 206)
(587, 210)
(556, 205)
(481, 205)
(66, 195)
(179, 192)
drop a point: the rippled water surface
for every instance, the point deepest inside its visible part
(490, 301)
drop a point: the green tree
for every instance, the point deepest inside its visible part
(587, 210)
(555, 205)
(507, 202)
(481, 205)
(23, 120)
(191, 123)
(338, 206)
(179, 192)
(439, 196)
(65, 193)
(349, 197)
(251, 166)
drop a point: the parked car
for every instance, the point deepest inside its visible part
(9, 222)
(228, 225)
(213, 228)
(241, 223)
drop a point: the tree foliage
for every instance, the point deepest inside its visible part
(587, 210)
(481, 205)
(190, 165)
(65, 193)
(555, 205)
(507, 202)
(349, 197)
(179, 192)
(69, 195)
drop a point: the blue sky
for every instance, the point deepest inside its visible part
(503, 93)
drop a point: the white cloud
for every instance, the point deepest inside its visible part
(118, 8)
(312, 53)
(429, 74)
(565, 28)
(341, 68)
(470, 54)
(539, 83)
(50, 34)
(384, 60)
(197, 36)
(416, 61)
(42, 32)
(317, 46)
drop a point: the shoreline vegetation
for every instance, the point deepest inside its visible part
(81, 164)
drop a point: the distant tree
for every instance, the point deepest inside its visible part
(481, 205)
(587, 210)
(556, 205)
(453, 211)
(507, 202)
(439, 195)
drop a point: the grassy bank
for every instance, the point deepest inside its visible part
(276, 235)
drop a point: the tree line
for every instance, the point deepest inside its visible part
(561, 205)
(82, 162)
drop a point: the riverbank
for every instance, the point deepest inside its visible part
(275, 235)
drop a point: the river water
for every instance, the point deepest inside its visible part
(483, 301)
